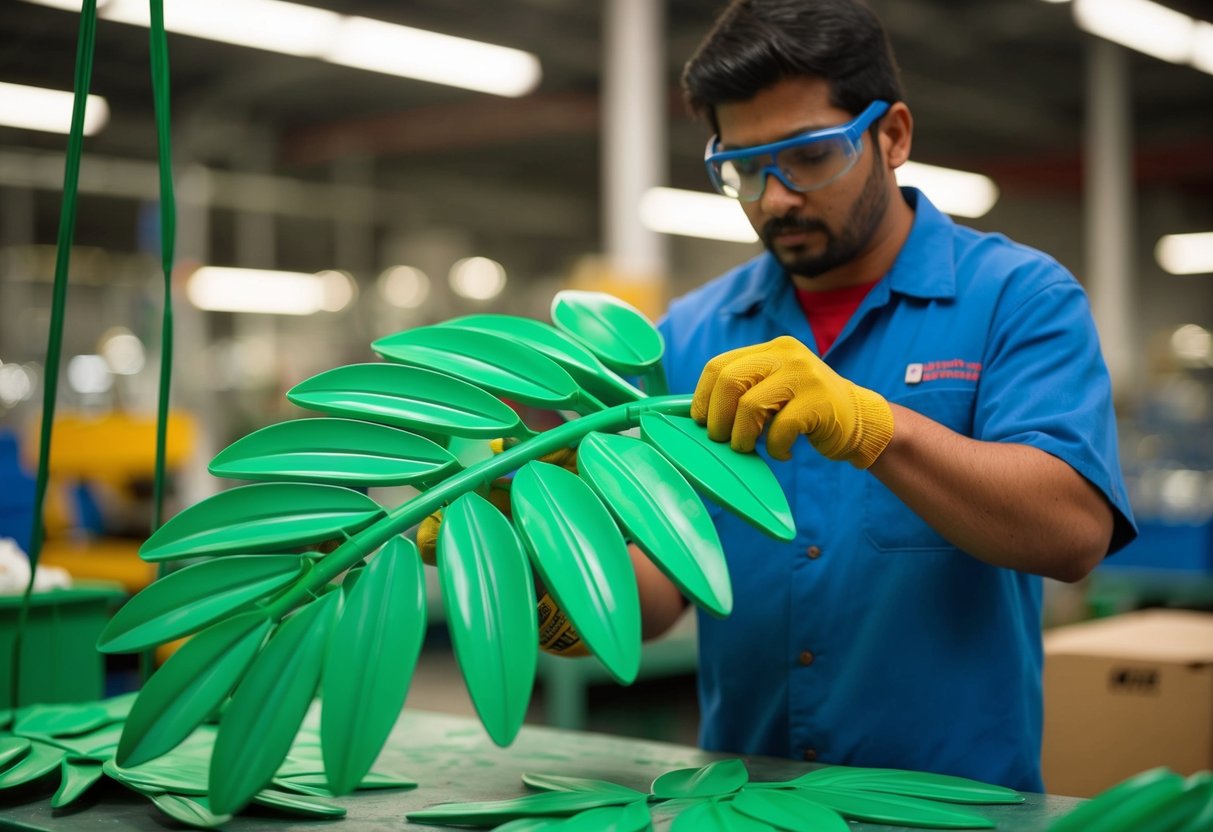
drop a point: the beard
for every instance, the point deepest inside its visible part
(842, 247)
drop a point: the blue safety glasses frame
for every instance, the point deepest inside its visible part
(802, 163)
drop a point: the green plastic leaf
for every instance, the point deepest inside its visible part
(76, 776)
(192, 811)
(716, 816)
(718, 778)
(633, 817)
(894, 810)
(261, 518)
(60, 720)
(316, 783)
(788, 810)
(1126, 805)
(561, 783)
(370, 662)
(191, 598)
(1183, 813)
(544, 804)
(12, 749)
(334, 451)
(741, 483)
(583, 561)
(183, 771)
(300, 804)
(489, 595)
(269, 705)
(39, 761)
(503, 367)
(530, 825)
(943, 787)
(408, 397)
(190, 686)
(95, 745)
(662, 515)
(615, 331)
(585, 367)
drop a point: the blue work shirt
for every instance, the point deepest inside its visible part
(870, 640)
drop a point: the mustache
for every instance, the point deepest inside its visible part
(779, 225)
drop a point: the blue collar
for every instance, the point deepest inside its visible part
(923, 268)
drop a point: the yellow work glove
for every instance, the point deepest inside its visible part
(783, 382)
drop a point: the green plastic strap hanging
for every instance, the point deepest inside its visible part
(67, 229)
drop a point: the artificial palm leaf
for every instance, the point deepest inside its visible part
(60, 720)
(334, 451)
(788, 810)
(562, 783)
(943, 787)
(543, 804)
(41, 759)
(264, 517)
(12, 749)
(661, 513)
(741, 483)
(191, 598)
(310, 805)
(77, 776)
(269, 705)
(715, 779)
(499, 365)
(583, 561)
(190, 686)
(370, 662)
(633, 817)
(408, 397)
(1127, 805)
(586, 369)
(893, 809)
(718, 816)
(616, 332)
(489, 595)
(191, 811)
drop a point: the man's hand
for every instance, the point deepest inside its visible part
(784, 382)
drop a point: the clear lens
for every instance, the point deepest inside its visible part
(804, 167)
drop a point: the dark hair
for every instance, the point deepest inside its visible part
(757, 43)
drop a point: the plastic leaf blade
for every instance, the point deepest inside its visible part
(407, 397)
(12, 749)
(310, 805)
(561, 783)
(661, 513)
(943, 787)
(39, 761)
(741, 483)
(716, 816)
(267, 708)
(894, 810)
(489, 595)
(192, 811)
(583, 561)
(370, 663)
(499, 365)
(260, 518)
(544, 804)
(615, 331)
(60, 720)
(334, 451)
(632, 817)
(191, 598)
(788, 810)
(190, 686)
(719, 778)
(76, 777)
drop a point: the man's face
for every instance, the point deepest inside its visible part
(809, 233)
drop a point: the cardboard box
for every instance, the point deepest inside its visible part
(1125, 694)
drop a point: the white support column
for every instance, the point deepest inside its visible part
(633, 135)
(1109, 202)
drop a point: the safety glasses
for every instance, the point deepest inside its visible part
(802, 163)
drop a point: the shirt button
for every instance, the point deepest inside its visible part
(814, 552)
(806, 658)
(810, 754)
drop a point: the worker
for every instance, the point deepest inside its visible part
(959, 438)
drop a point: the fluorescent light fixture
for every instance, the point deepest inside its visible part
(956, 192)
(219, 289)
(1202, 47)
(414, 53)
(405, 287)
(306, 31)
(87, 374)
(35, 108)
(1186, 253)
(477, 278)
(695, 214)
(1138, 24)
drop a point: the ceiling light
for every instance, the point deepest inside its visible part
(375, 45)
(404, 286)
(123, 351)
(1139, 24)
(35, 108)
(1186, 253)
(337, 289)
(88, 374)
(1202, 47)
(956, 192)
(477, 278)
(695, 214)
(259, 291)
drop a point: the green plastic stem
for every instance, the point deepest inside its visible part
(67, 231)
(407, 515)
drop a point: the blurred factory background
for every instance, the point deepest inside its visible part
(321, 140)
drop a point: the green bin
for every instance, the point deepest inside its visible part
(60, 662)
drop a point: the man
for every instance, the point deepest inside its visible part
(957, 372)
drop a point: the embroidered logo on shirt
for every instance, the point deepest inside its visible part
(955, 368)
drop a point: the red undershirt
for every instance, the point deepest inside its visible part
(829, 310)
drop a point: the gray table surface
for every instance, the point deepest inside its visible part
(453, 760)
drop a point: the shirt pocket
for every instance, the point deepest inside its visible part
(889, 524)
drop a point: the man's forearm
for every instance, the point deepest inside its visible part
(1008, 505)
